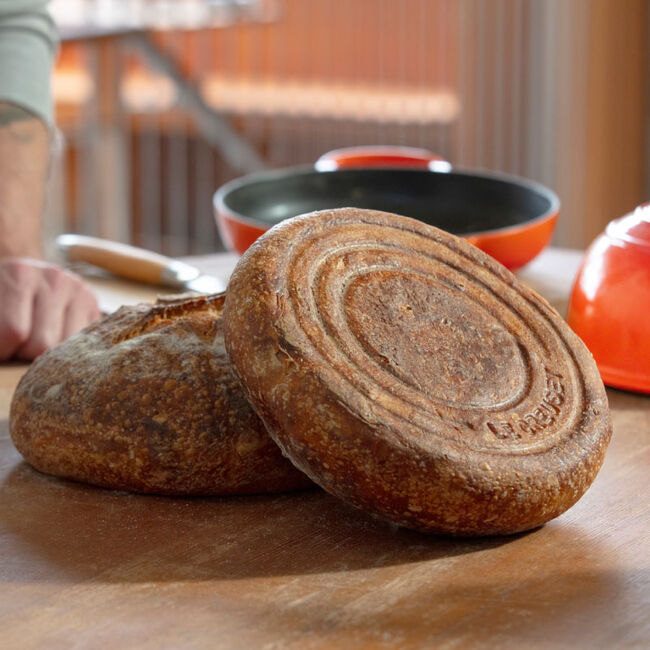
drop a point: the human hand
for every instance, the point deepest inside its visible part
(40, 306)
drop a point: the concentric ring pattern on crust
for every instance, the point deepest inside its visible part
(146, 400)
(413, 376)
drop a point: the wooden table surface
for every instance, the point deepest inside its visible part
(82, 567)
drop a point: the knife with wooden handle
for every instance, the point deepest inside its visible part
(137, 264)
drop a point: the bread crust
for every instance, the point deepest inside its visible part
(145, 400)
(414, 377)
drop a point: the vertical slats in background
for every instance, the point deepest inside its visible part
(549, 89)
(617, 97)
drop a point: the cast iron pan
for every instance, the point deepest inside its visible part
(510, 218)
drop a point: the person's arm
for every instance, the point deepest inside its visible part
(40, 304)
(24, 158)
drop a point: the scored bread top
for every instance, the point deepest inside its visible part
(410, 374)
(146, 400)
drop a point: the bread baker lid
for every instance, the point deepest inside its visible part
(411, 375)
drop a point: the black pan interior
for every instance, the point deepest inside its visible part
(457, 202)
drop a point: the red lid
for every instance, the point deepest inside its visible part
(609, 301)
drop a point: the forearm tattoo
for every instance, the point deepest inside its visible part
(11, 113)
(17, 122)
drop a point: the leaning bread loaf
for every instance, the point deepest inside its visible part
(145, 400)
(411, 375)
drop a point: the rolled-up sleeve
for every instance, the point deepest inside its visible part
(28, 42)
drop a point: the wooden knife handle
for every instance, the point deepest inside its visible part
(123, 260)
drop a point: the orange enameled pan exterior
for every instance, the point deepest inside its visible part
(516, 246)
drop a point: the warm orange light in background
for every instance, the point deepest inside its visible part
(553, 91)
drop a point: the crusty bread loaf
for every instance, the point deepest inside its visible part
(410, 374)
(145, 400)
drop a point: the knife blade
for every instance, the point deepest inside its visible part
(137, 264)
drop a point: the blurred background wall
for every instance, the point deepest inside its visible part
(160, 101)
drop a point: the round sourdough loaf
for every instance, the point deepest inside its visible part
(145, 400)
(413, 376)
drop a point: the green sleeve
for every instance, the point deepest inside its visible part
(28, 42)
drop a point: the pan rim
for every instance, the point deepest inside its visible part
(220, 204)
